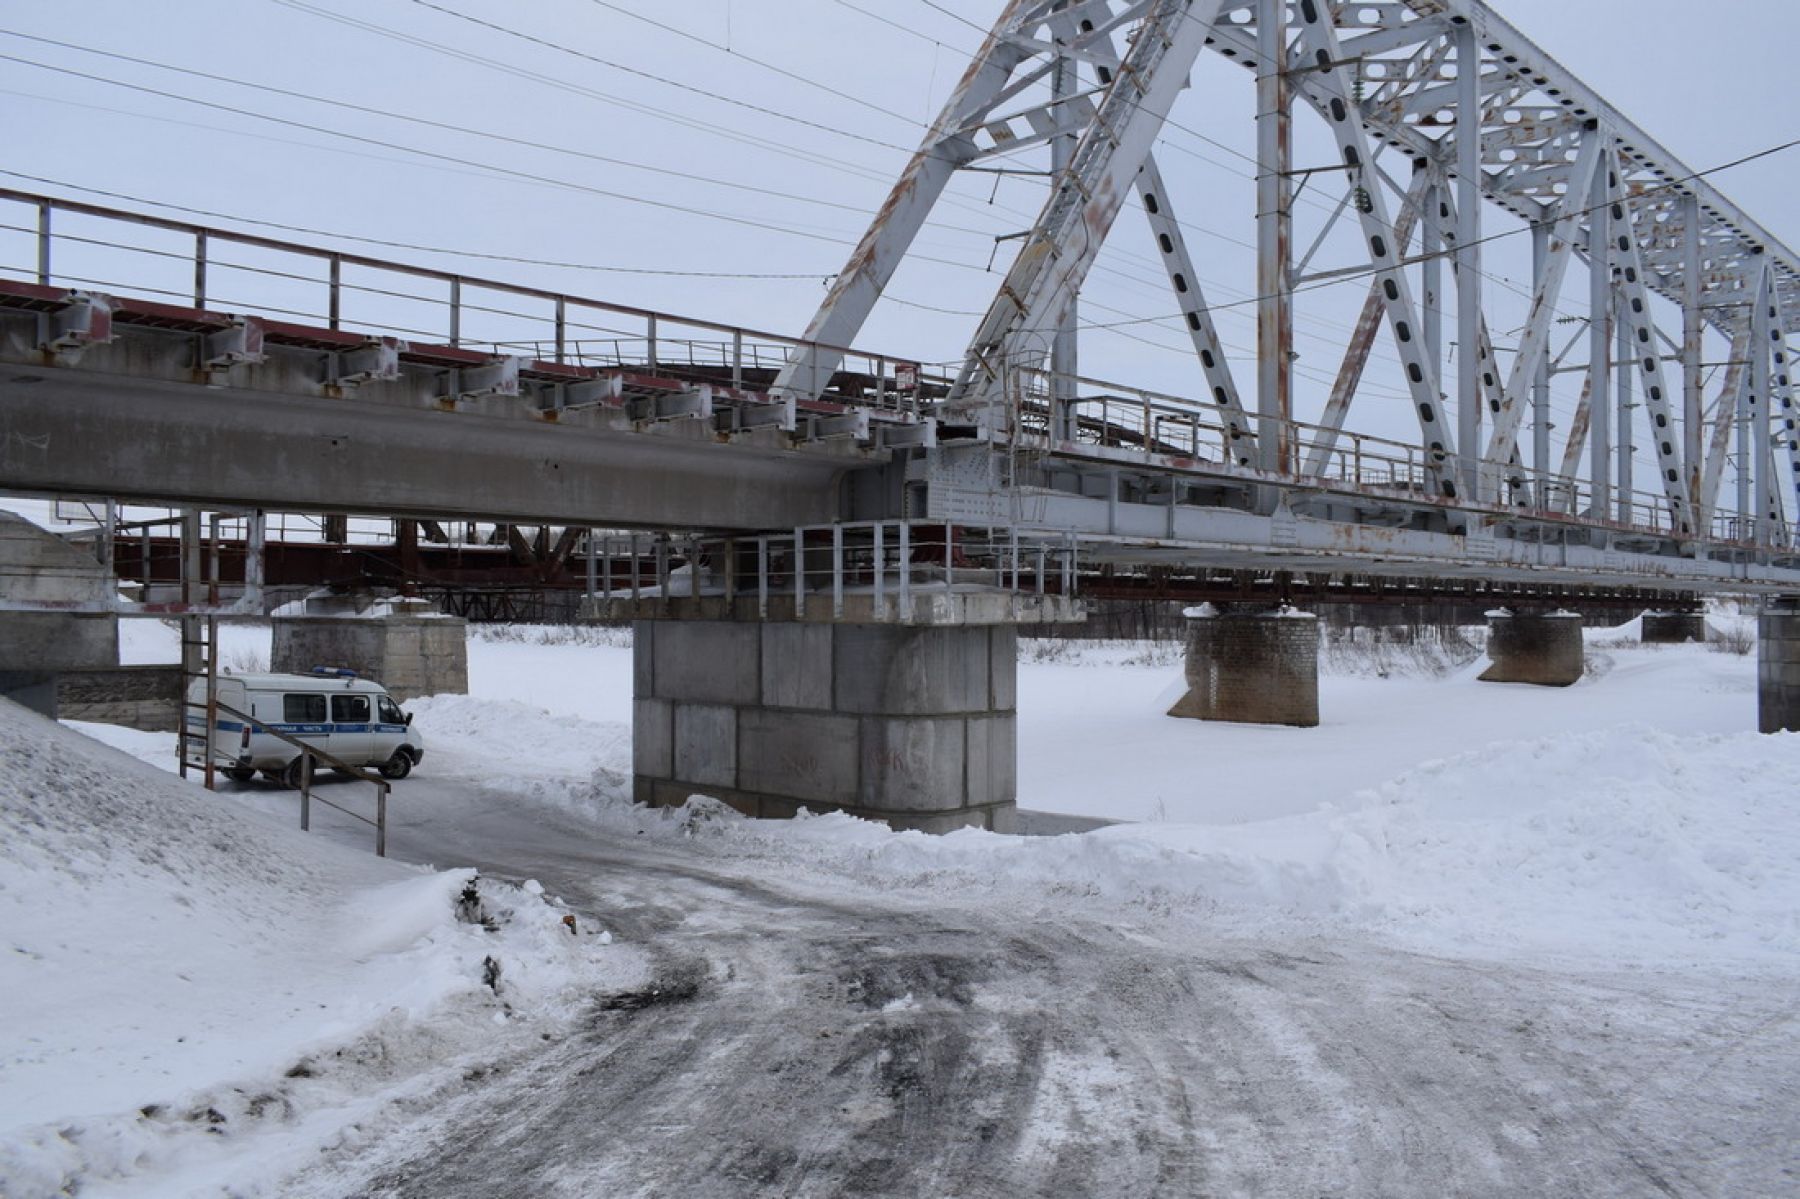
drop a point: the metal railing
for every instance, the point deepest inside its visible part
(308, 754)
(891, 563)
(67, 243)
(1168, 431)
(59, 242)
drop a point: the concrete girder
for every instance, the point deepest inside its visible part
(65, 432)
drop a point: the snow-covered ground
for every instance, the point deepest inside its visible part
(1632, 823)
(176, 969)
(1634, 816)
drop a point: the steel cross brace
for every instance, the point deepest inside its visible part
(1066, 238)
(1641, 335)
(1730, 401)
(1362, 337)
(1536, 341)
(1319, 39)
(1196, 314)
(946, 146)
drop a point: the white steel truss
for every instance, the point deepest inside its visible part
(1488, 121)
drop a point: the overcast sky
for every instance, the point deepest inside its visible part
(743, 137)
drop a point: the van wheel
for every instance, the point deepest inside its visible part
(240, 774)
(293, 773)
(396, 767)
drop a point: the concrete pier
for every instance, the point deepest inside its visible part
(37, 566)
(1542, 648)
(773, 708)
(1778, 667)
(411, 653)
(1672, 628)
(912, 726)
(1252, 668)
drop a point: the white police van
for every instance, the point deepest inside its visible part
(350, 718)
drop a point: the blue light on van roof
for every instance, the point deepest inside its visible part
(334, 672)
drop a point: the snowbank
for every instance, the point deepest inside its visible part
(1623, 843)
(187, 979)
(1631, 846)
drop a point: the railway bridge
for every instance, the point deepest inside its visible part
(827, 549)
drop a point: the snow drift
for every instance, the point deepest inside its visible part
(1624, 844)
(182, 973)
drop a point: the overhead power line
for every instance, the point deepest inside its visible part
(548, 180)
(558, 47)
(775, 67)
(446, 126)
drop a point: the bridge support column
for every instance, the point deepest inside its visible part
(410, 652)
(1672, 628)
(37, 567)
(911, 724)
(1252, 667)
(1778, 666)
(1543, 648)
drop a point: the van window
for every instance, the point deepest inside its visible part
(303, 709)
(390, 711)
(350, 709)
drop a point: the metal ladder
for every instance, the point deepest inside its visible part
(199, 665)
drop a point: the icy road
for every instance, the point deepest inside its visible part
(806, 1035)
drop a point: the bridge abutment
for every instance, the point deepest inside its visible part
(1541, 648)
(912, 724)
(1778, 666)
(1252, 668)
(1672, 628)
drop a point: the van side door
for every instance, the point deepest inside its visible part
(352, 727)
(303, 715)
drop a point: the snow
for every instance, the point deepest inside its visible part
(1631, 817)
(175, 961)
(184, 952)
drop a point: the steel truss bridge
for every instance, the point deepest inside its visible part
(292, 378)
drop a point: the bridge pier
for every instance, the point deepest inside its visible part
(1542, 648)
(1672, 628)
(36, 647)
(1778, 666)
(410, 652)
(908, 723)
(1252, 667)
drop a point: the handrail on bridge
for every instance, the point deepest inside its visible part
(1159, 425)
(653, 329)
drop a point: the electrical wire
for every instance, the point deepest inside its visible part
(558, 47)
(767, 145)
(571, 185)
(446, 126)
(775, 67)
